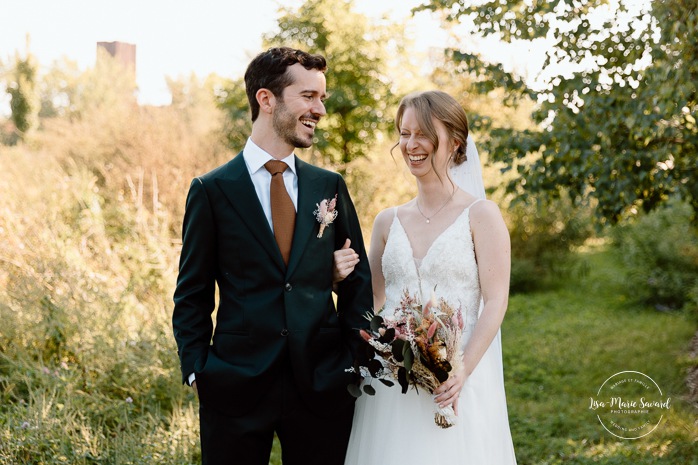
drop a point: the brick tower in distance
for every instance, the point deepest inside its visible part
(123, 52)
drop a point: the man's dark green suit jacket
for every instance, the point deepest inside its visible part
(268, 314)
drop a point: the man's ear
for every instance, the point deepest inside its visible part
(266, 100)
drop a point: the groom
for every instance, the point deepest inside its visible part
(276, 360)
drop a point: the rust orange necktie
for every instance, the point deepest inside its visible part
(283, 213)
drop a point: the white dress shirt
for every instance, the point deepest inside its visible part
(255, 158)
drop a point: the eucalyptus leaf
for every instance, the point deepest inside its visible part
(387, 382)
(354, 390)
(369, 351)
(374, 367)
(388, 336)
(376, 323)
(408, 356)
(402, 379)
(398, 345)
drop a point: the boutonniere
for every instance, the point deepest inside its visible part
(325, 213)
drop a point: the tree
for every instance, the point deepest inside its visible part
(109, 84)
(619, 128)
(196, 101)
(66, 90)
(58, 88)
(24, 101)
(232, 99)
(360, 99)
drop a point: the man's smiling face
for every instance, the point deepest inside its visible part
(300, 107)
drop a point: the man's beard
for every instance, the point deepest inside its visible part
(285, 124)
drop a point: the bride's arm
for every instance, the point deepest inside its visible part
(381, 226)
(493, 253)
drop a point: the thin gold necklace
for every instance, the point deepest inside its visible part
(428, 218)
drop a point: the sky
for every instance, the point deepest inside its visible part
(173, 37)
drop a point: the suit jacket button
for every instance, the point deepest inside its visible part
(288, 287)
(284, 332)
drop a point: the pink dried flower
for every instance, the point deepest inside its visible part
(432, 329)
(325, 213)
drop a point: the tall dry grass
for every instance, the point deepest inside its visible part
(89, 244)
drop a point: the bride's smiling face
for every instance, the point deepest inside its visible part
(418, 145)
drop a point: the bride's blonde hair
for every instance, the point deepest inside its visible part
(437, 104)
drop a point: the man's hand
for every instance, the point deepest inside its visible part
(193, 385)
(345, 259)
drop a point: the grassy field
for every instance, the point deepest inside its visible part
(559, 346)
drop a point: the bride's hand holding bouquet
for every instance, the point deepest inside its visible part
(418, 346)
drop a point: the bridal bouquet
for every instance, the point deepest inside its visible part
(419, 346)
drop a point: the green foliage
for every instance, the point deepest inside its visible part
(21, 86)
(87, 367)
(619, 126)
(660, 254)
(64, 90)
(59, 88)
(88, 254)
(89, 244)
(360, 93)
(545, 235)
(196, 101)
(232, 100)
(558, 348)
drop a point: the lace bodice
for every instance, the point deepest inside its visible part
(448, 268)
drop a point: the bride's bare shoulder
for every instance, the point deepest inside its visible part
(384, 218)
(485, 213)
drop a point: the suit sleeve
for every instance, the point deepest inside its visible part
(354, 294)
(194, 298)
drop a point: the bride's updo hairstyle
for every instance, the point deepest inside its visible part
(436, 104)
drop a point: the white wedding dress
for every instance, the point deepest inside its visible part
(392, 428)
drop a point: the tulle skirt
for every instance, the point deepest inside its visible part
(392, 428)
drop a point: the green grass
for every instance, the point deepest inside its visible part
(559, 346)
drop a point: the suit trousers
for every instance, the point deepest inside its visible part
(305, 437)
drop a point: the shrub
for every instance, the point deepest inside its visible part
(88, 251)
(544, 236)
(660, 253)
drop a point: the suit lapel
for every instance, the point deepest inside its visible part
(237, 186)
(310, 188)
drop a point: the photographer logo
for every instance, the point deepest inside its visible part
(629, 405)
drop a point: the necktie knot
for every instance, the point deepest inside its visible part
(275, 166)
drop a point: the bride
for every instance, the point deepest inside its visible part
(451, 241)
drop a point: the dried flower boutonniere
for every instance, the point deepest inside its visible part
(325, 213)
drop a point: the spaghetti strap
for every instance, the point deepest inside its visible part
(470, 206)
